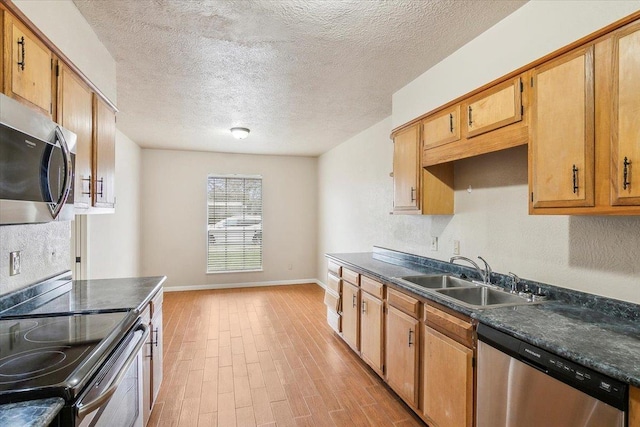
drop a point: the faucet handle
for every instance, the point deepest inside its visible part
(487, 270)
(515, 280)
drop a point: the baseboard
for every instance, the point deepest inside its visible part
(242, 285)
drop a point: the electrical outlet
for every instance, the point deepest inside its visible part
(14, 263)
(434, 243)
(456, 247)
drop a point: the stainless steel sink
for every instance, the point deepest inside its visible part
(438, 282)
(473, 295)
(482, 297)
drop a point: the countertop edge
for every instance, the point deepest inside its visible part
(17, 414)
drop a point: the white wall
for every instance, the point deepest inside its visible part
(174, 216)
(592, 254)
(113, 240)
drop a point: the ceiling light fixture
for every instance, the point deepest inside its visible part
(240, 133)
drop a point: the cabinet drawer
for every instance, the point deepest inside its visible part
(334, 268)
(403, 302)
(334, 320)
(334, 283)
(455, 328)
(351, 276)
(332, 300)
(371, 286)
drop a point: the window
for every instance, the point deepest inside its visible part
(234, 223)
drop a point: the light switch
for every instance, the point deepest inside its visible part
(14, 263)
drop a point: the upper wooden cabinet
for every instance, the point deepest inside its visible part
(406, 171)
(561, 147)
(584, 124)
(625, 135)
(104, 154)
(75, 112)
(494, 108)
(442, 128)
(491, 120)
(28, 66)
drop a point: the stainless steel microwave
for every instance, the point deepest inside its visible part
(37, 159)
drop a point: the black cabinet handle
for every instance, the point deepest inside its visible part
(470, 116)
(21, 43)
(451, 123)
(354, 300)
(87, 193)
(575, 179)
(625, 174)
(413, 196)
(410, 336)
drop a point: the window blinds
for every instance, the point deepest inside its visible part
(234, 223)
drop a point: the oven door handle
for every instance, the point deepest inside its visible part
(106, 395)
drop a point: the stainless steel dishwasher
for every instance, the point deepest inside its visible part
(520, 385)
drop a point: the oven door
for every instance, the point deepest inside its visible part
(114, 396)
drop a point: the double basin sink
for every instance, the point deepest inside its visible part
(466, 293)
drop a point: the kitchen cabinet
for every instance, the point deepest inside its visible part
(28, 66)
(494, 108)
(442, 128)
(634, 406)
(406, 171)
(625, 156)
(75, 112)
(561, 147)
(104, 154)
(371, 323)
(157, 344)
(401, 346)
(351, 314)
(332, 301)
(447, 369)
(147, 369)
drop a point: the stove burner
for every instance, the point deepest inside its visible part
(65, 331)
(47, 360)
(31, 364)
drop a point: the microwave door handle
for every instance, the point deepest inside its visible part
(87, 408)
(68, 175)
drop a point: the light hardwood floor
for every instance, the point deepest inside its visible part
(265, 357)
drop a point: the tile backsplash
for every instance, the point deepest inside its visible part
(45, 251)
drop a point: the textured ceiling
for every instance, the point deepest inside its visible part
(303, 75)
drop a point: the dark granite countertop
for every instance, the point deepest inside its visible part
(86, 296)
(33, 413)
(606, 341)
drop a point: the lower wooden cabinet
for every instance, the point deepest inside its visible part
(634, 406)
(351, 314)
(371, 331)
(156, 348)
(402, 353)
(447, 378)
(147, 370)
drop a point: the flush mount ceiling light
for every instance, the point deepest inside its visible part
(240, 133)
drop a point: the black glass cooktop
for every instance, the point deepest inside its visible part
(56, 356)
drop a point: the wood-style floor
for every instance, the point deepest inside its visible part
(265, 357)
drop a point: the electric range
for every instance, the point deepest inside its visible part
(56, 356)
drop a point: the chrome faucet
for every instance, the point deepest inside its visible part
(515, 280)
(485, 274)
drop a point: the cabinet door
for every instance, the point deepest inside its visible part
(497, 107)
(401, 354)
(75, 112)
(156, 352)
(442, 128)
(562, 132)
(634, 406)
(625, 156)
(104, 154)
(350, 314)
(28, 66)
(447, 378)
(146, 370)
(406, 167)
(371, 315)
